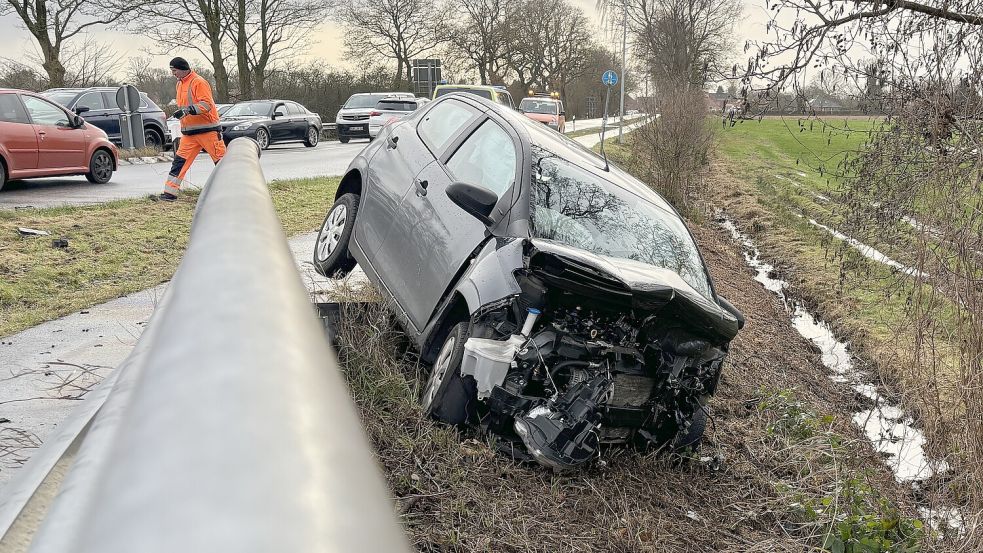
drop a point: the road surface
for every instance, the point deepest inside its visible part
(286, 161)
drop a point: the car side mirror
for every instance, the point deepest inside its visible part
(81, 109)
(729, 307)
(475, 200)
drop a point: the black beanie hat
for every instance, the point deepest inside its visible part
(180, 63)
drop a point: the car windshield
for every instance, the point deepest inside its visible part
(476, 92)
(576, 208)
(529, 105)
(246, 109)
(358, 101)
(63, 98)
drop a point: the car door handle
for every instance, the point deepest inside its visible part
(421, 188)
(42, 134)
(392, 142)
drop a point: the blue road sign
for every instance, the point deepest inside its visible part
(609, 78)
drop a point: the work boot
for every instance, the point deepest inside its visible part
(167, 197)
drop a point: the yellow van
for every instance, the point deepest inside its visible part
(496, 94)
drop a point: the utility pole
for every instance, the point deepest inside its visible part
(624, 72)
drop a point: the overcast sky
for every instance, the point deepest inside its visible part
(18, 44)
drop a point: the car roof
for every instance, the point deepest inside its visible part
(573, 152)
(473, 87)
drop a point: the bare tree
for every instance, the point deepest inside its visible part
(480, 35)
(90, 63)
(549, 44)
(395, 29)
(53, 23)
(683, 42)
(179, 26)
(266, 32)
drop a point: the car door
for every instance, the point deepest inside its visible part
(432, 237)
(98, 114)
(17, 135)
(110, 123)
(410, 146)
(298, 120)
(60, 145)
(281, 126)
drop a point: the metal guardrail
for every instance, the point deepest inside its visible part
(228, 428)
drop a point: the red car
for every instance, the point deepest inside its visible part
(41, 139)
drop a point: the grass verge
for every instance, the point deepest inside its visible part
(115, 249)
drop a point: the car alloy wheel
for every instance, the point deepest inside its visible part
(151, 140)
(100, 168)
(312, 136)
(439, 373)
(330, 234)
(263, 138)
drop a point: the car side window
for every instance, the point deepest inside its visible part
(487, 158)
(280, 110)
(91, 100)
(505, 99)
(11, 110)
(443, 122)
(294, 109)
(45, 113)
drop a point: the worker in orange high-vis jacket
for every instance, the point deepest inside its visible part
(199, 126)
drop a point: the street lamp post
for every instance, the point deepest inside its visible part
(624, 72)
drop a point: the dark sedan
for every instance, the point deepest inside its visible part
(270, 122)
(562, 303)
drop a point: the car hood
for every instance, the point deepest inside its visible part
(642, 286)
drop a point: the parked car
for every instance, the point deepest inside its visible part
(389, 110)
(352, 121)
(561, 305)
(546, 110)
(98, 106)
(497, 94)
(271, 121)
(39, 138)
(174, 125)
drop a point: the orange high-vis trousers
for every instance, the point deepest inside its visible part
(188, 149)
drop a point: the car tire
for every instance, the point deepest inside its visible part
(331, 256)
(175, 144)
(153, 139)
(313, 137)
(343, 139)
(693, 436)
(100, 167)
(3, 175)
(263, 138)
(448, 396)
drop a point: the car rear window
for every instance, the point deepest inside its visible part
(477, 92)
(396, 105)
(11, 110)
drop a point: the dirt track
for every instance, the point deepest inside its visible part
(781, 461)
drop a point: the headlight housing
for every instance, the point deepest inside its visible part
(242, 126)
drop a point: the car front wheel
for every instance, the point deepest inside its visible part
(3, 175)
(331, 256)
(263, 139)
(313, 135)
(343, 139)
(448, 395)
(100, 167)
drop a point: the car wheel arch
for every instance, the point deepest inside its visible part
(111, 156)
(351, 183)
(456, 310)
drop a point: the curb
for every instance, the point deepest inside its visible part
(163, 157)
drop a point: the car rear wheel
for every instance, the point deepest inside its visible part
(331, 256)
(313, 135)
(100, 167)
(343, 139)
(153, 139)
(447, 394)
(263, 138)
(3, 175)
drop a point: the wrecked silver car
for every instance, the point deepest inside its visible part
(562, 304)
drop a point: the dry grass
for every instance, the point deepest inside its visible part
(782, 469)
